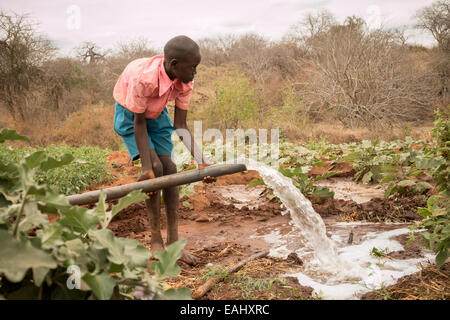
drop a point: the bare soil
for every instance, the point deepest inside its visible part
(218, 230)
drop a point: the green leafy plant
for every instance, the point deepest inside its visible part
(37, 256)
(436, 222)
(437, 213)
(306, 184)
(378, 253)
(83, 166)
(235, 102)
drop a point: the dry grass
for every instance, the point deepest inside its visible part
(429, 283)
(91, 125)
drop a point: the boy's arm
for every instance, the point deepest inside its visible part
(140, 134)
(185, 135)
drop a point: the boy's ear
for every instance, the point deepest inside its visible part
(173, 62)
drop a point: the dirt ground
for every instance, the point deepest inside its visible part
(218, 231)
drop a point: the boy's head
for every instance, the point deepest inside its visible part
(181, 58)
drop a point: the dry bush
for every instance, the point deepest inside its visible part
(92, 125)
(363, 77)
(435, 19)
(22, 53)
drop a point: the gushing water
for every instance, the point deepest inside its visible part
(303, 215)
(345, 273)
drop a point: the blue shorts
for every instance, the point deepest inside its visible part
(159, 131)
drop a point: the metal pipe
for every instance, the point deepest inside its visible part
(157, 183)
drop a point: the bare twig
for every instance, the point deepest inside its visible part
(203, 289)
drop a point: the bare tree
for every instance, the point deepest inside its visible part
(436, 20)
(135, 49)
(360, 76)
(216, 51)
(309, 26)
(90, 53)
(22, 53)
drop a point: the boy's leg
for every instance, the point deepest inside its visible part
(154, 207)
(171, 201)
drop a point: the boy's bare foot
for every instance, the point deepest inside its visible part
(157, 246)
(188, 258)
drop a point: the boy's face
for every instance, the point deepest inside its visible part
(186, 69)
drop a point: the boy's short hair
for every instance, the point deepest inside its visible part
(180, 47)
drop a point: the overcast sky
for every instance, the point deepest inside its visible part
(69, 22)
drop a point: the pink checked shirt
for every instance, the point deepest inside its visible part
(145, 86)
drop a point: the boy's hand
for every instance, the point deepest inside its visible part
(146, 175)
(207, 179)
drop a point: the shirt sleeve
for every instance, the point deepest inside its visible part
(183, 99)
(137, 95)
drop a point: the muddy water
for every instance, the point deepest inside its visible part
(347, 189)
(239, 195)
(336, 265)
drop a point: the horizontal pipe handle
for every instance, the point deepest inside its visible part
(163, 182)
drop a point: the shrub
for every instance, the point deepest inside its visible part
(235, 103)
(89, 167)
(76, 257)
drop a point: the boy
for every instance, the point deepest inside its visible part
(141, 119)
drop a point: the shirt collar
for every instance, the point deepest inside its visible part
(164, 81)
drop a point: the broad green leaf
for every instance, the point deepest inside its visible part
(102, 285)
(422, 186)
(174, 294)
(387, 167)
(351, 157)
(17, 257)
(441, 257)
(255, 182)
(52, 163)
(286, 172)
(129, 199)
(32, 217)
(390, 191)
(100, 209)
(427, 163)
(426, 235)
(51, 235)
(166, 267)
(53, 199)
(439, 212)
(105, 240)
(423, 212)
(323, 193)
(406, 183)
(7, 134)
(139, 254)
(39, 274)
(388, 178)
(431, 201)
(99, 257)
(79, 218)
(325, 176)
(76, 247)
(35, 159)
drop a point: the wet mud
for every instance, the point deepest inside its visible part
(225, 217)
